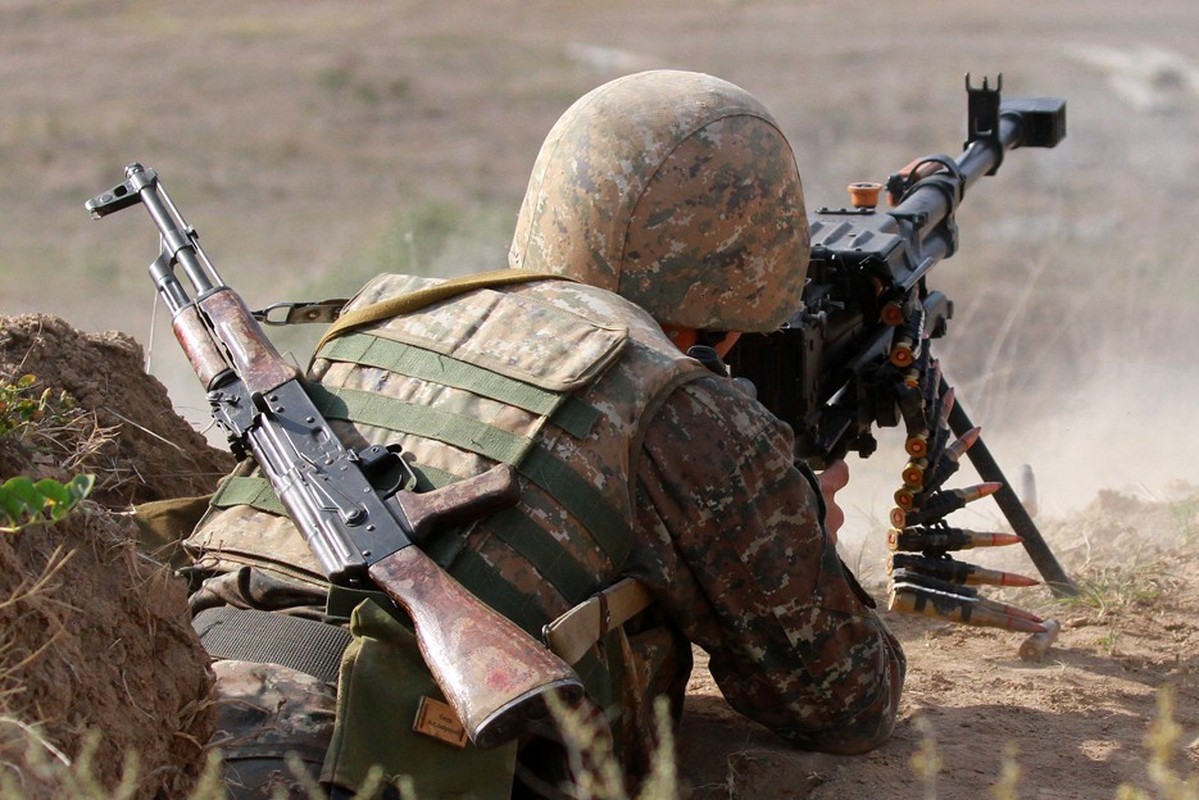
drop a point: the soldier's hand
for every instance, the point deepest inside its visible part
(833, 479)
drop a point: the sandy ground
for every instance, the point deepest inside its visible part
(314, 145)
(1075, 723)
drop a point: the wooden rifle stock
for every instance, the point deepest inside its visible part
(493, 673)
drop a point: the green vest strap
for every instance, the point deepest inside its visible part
(252, 490)
(544, 552)
(582, 500)
(381, 411)
(479, 577)
(575, 416)
(541, 467)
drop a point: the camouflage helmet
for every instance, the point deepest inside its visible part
(677, 191)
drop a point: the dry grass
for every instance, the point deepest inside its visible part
(599, 777)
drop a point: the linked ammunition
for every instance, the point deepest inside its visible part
(917, 445)
(915, 600)
(913, 474)
(936, 444)
(905, 498)
(945, 502)
(932, 378)
(908, 339)
(915, 540)
(903, 352)
(912, 408)
(947, 401)
(948, 461)
(905, 578)
(891, 313)
(936, 477)
(955, 451)
(959, 572)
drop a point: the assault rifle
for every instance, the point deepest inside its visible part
(355, 509)
(856, 353)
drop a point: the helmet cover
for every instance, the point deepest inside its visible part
(677, 191)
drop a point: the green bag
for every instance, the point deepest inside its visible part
(383, 680)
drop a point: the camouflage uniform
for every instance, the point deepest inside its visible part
(730, 538)
(677, 191)
(634, 459)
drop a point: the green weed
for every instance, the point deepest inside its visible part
(22, 406)
(1112, 587)
(24, 502)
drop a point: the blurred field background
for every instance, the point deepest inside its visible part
(316, 144)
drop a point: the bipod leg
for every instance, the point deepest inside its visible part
(1022, 524)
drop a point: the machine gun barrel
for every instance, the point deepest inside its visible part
(927, 192)
(866, 280)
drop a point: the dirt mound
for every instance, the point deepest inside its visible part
(95, 636)
(154, 454)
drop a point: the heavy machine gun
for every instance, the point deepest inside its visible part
(856, 354)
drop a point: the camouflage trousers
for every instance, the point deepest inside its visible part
(271, 722)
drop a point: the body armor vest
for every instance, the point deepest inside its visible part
(555, 378)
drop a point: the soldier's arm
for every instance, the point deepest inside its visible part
(731, 542)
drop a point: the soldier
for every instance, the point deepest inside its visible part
(664, 211)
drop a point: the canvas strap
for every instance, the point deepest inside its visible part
(248, 634)
(571, 635)
(414, 301)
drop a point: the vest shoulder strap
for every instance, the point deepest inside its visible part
(407, 303)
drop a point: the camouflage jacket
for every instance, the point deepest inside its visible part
(634, 460)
